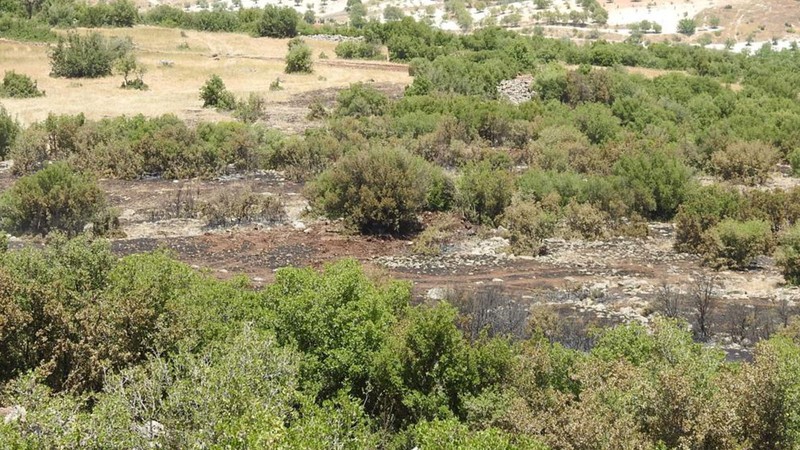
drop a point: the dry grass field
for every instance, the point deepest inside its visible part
(246, 64)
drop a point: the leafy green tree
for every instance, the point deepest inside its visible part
(278, 22)
(658, 181)
(788, 254)
(734, 244)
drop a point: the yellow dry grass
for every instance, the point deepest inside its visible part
(246, 65)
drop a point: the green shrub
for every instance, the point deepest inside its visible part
(357, 50)
(442, 192)
(298, 59)
(484, 192)
(278, 22)
(528, 224)
(376, 190)
(89, 56)
(9, 130)
(214, 94)
(251, 110)
(658, 182)
(132, 73)
(733, 244)
(30, 150)
(788, 255)
(704, 207)
(17, 85)
(55, 198)
(746, 162)
(687, 26)
(361, 100)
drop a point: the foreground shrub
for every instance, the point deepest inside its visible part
(376, 190)
(215, 95)
(484, 192)
(18, 85)
(733, 244)
(251, 110)
(89, 56)
(745, 162)
(788, 254)
(528, 224)
(9, 129)
(55, 198)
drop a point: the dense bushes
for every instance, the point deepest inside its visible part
(143, 351)
(357, 50)
(788, 255)
(89, 56)
(55, 198)
(360, 100)
(377, 190)
(215, 94)
(484, 192)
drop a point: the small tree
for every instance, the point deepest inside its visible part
(298, 59)
(687, 26)
(278, 22)
(132, 73)
(484, 192)
(360, 100)
(214, 94)
(55, 198)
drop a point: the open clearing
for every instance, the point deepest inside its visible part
(246, 65)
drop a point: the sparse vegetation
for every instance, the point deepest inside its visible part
(17, 85)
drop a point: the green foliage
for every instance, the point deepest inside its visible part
(132, 73)
(89, 56)
(17, 85)
(658, 182)
(687, 26)
(278, 22)
(704, 207)
(360, 100)
(55, 198)
(9, 129)
(484, 192)
(215, 94)
(734, 244)
(251, 110)
(788, 254)
(376, 190)
(298, 59)
(357, 50)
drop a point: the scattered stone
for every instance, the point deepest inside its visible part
(517, 90)
(16, 413)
